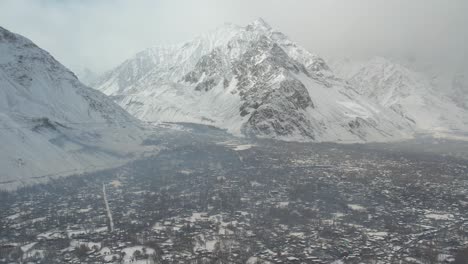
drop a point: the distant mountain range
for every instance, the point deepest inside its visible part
(254, 81)
(432, 105)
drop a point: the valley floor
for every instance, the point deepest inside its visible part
(207, 197)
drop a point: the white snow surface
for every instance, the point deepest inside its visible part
(129, 252)
(436, 216)
(357, 207)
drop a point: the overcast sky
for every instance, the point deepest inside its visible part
(99, 34)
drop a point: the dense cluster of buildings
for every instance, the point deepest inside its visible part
(218, 202)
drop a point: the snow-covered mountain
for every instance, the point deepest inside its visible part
(50, 123)
(249, 80)
(411, 94)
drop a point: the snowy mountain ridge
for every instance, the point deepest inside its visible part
(411, 94)
(252, 81)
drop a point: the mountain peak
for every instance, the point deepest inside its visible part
(259, 23)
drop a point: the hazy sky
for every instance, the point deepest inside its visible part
(99, 34)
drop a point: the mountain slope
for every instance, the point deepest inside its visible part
(251, 81)
(411, 95)
(50, 123)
